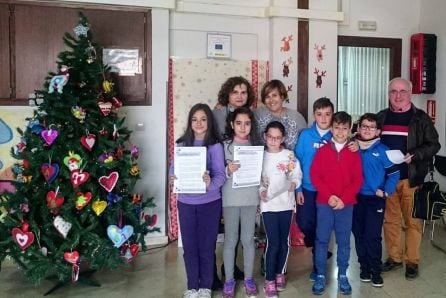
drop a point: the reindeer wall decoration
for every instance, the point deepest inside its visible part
(319, 53)
(319, 77)
(286, 43)
(286, 66)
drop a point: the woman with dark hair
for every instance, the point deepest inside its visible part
(273, 95)
(235, 92)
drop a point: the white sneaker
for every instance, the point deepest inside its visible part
(190, 294)
(204, 293)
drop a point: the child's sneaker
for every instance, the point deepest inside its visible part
(365, 276)
(190, 294)
(229, 288)
(270, 289)
(250, 287)
(319, 285)
(377, 280)
(313, 275)
(204, 293)
(280, 282)
(344, 285)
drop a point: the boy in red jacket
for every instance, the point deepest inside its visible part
(336, 173)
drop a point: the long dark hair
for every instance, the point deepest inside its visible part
(253, 135)
(228, 87)
(211, 136)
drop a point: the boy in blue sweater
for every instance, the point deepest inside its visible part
(380, 179)
(310, 140)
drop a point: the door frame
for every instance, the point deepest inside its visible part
(394, 44)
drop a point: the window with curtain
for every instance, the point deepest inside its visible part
(363, 75)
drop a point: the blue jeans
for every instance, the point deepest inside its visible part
(339, 221)
(306, 217)
(277, 228)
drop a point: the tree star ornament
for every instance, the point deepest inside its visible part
(81, 30)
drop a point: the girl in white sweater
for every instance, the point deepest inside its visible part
(281, 174)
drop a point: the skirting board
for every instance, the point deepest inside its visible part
(161, 240)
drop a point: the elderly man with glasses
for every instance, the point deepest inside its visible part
(410, 130)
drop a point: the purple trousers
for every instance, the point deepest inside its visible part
(199, 230)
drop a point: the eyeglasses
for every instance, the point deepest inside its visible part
(366, 127)
(275, 139)
(401, 92)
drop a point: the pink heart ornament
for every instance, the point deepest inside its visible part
(109, 182)
(49, 135)
(71, 257)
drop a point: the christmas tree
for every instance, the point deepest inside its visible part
(76, 171)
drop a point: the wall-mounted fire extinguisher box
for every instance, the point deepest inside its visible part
(423, 51)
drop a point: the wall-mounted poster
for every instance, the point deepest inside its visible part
(219, 46)
(126, 62)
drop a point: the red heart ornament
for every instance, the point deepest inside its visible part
(49, 135)
(53, 201)
(82, 199)
(88, 141)
(71, 257)
(109, 182)
(23, 239)
(151, 218)
(129, 252)
(105, 107)
(78, 178)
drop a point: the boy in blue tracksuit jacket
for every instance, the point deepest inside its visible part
(310, 140)
(380, 179)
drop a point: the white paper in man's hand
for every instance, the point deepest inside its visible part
(395, 156)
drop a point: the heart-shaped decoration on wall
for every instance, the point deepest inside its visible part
(62, 226)
(53, 201)
(88, 141)
(50, 171)
(78, 177)
(71, 257)
(82, 199)
(99, 207)
(119, 236)
(105, 107)
(109, 182)
(23, 239)
(150, 220)
(49, 135)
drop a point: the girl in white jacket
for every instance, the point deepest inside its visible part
(281, 174)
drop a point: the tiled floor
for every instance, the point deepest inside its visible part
(160, 273)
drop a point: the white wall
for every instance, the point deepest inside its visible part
(152, 140)
(432, 20)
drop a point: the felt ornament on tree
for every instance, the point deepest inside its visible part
(79, 113)
(88, 141)
(62, 226)
(49, 135)
(22, 237)
(99, 206)
(109, 182)
(82, 199)
(119, 236)
(129, 252)
(105, 107)
(59, 81)
(78, 177)
(50, 171)
(54, 201)
(73, 161)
